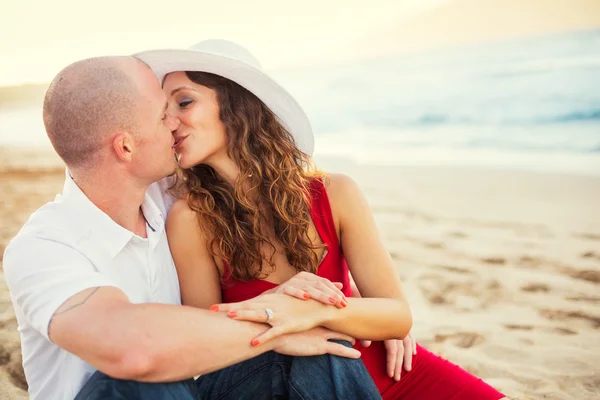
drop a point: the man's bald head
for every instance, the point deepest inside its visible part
(87, 102)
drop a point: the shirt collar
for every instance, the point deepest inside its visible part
(98, 226)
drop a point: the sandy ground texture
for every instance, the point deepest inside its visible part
(502, 268)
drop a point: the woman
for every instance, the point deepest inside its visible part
(256, 217)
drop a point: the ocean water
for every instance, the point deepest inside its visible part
(531, 104)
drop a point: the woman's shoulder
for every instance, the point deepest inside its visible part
(339, 185)
(343, 193)
(179, 209)
(181, 218)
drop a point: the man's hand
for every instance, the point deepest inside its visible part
(290, 315)
(315, 342)
(400, 354)
(305, 285)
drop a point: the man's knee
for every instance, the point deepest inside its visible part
(102, 386)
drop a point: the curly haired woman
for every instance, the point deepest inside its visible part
(257, 222)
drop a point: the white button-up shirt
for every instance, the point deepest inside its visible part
(68, 246)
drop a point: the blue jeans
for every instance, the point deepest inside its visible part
(268, 376)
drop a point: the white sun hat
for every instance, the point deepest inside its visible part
(236, 63)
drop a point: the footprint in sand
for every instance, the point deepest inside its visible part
(494, 260)
(4, 356)
(529, 261)
(585, 274)
(10, 323)
(516, 327)
(458, 270)
(592, 383)
(559, 330)
(463, 340)
(591, 254)
(535, 287)
(470, 294)
(566, 315)
(589, 299)
(457, 234)
(587, 235)
(14, 368)
(11, 360)
(434, 245)
(564, 331)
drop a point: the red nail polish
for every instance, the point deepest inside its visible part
(332, 300)
(306, 296)
(255, 342)
(232, 314)
(214, 307)
(344, 304)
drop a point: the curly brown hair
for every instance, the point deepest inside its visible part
(270, 198)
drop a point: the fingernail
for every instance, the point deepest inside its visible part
(255, 342)
(306, 296)
(397, 378)
(214, 307)
(332, 300)
(232, 314)
(344, 304)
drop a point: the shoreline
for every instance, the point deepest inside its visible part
(42, 158)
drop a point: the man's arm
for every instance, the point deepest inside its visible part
(150, 342)
(161, 343)
(62, 296)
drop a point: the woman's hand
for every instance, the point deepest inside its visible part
(305, 286)
(289, 314)
(400, 353)
(315, 342)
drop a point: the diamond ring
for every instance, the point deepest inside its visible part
(269, 315)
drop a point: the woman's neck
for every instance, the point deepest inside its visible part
(226, 168)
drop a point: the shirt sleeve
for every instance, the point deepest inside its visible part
(42, 274)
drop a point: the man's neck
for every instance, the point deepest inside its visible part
(119, 197)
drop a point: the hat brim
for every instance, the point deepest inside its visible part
(279, 100)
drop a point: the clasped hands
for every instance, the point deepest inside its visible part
(289, 315)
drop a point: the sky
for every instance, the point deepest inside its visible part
(40, 37)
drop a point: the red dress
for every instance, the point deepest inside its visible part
(431, 376)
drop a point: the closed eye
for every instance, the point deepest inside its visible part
(185, 103)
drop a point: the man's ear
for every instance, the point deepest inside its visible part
(123, 146)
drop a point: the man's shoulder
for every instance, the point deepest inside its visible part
(52, 221)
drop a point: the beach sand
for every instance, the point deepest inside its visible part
(502, 268)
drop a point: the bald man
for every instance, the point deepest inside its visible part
(93, 283)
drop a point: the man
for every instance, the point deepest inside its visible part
(93, 282)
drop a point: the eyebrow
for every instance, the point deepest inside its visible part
(182, 88)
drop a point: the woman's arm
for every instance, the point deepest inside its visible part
(199, 279)
(383, 312)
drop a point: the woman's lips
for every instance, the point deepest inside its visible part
(178, 141)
